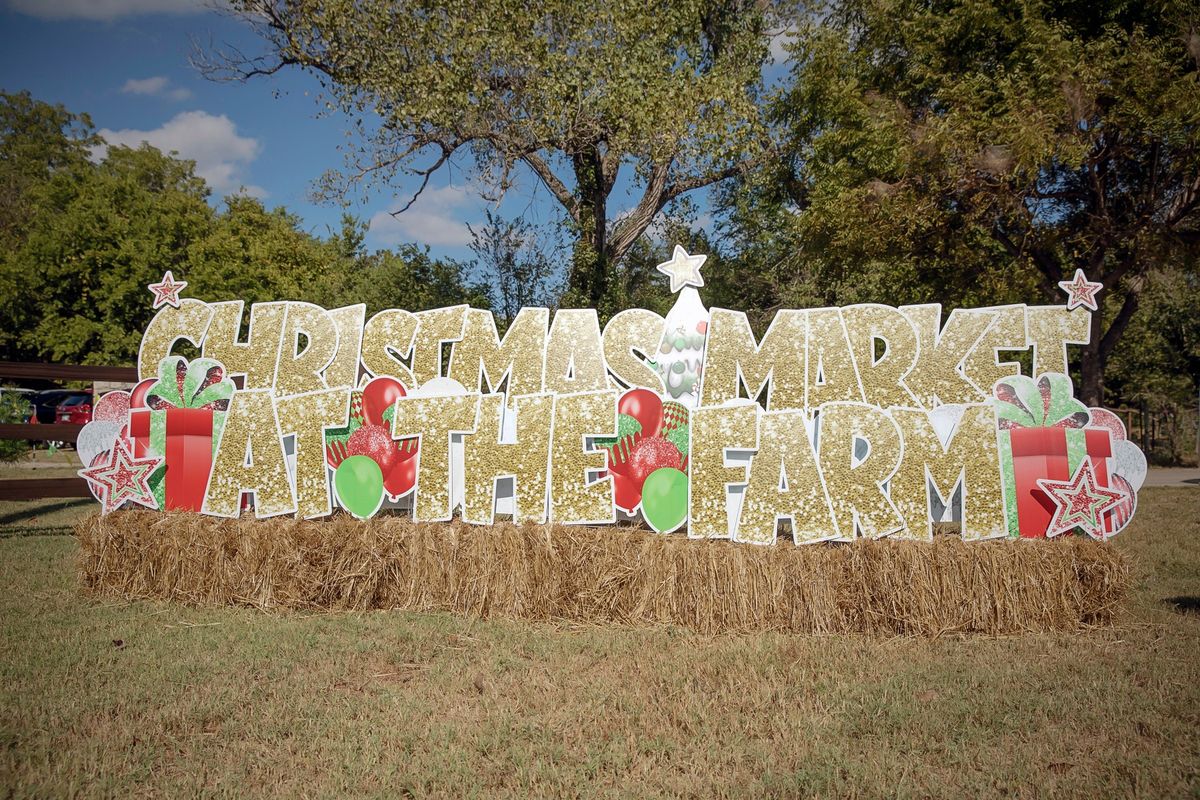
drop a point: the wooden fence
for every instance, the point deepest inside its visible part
(32, 488)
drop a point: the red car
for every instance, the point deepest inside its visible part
(75, 409)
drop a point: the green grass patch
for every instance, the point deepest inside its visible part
(102, 698)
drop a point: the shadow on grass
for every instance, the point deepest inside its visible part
(1184, 604)
(24, 514)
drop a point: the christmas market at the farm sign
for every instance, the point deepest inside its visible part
(859, 421)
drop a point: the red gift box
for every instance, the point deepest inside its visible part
(187, 452)
(1042, 453)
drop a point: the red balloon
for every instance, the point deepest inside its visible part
(627, 492)
(378, 395)
(644, 406)
(402, 478)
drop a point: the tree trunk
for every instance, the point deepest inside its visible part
(590, 262)
(1091, 390)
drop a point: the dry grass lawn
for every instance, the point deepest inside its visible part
(103, 698)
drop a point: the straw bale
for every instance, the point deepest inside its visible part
(616, 574)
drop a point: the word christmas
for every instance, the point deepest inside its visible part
(861, 421)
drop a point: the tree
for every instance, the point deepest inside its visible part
(73, 287)
(514, 266)
(571, 92)
(37, 140)
(982, 146)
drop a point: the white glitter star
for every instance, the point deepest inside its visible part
(683, 269)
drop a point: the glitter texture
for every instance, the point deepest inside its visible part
(938, 376)
(634, 330)
(300, 371)
(832, 375)
(972, 454)
(307, 416)
(785, 450)
(732, 356)
(574, 499)
(390, 331)
(1050, 329)
(434, 420)
(251, 428)
(1006, 333)
(716, 429)
(190, 321)
(526, 460)
(434, 328)
(883, 380)
(856, 490)
(257, 357)
(480, 356)
(575, 353)
(343, 369)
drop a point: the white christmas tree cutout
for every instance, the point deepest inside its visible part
(680, 358)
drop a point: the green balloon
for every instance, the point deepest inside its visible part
(359, 484)
(665, 499)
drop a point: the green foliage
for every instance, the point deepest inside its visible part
(93, 234)
(979, 151)
(568, 91)
(14, 408)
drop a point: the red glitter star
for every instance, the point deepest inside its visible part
(1080, 503)
(123, 478)
(166, 291)
(1080, 291)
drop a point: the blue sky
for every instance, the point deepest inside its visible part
(126, 63)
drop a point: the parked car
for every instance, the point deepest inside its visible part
(45, 404)
(75, 409)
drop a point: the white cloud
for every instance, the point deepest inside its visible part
(102, 9)
(437, 218)
(157, 86)
(209, 140)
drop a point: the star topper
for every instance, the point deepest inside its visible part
(1080, 502)
(166, 291)
(683, 269)
(1081, 292)
(123, 478)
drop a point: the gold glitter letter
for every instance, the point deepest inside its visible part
(832, 375)
(575, 353)
(856, 486)
(250, 458)
(343, 370)
(575, 499)
(971, 456)
(630, 332)
(716, 430)
(521, 356)
(300, 371)
(938, 376)
(258, 356)
(732, 358)
(390, 331)
(170, 324)
(785, 483)
(307, 416)
(526, 460)
(883, 378)
(1007, 333)
(434, 420)
(435, 328)
(1050, 330)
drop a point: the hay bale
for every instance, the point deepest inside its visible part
(610, 574)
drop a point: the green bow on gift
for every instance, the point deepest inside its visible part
(1048, 402)
(198, 384)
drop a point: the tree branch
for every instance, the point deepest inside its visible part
(552, 182)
